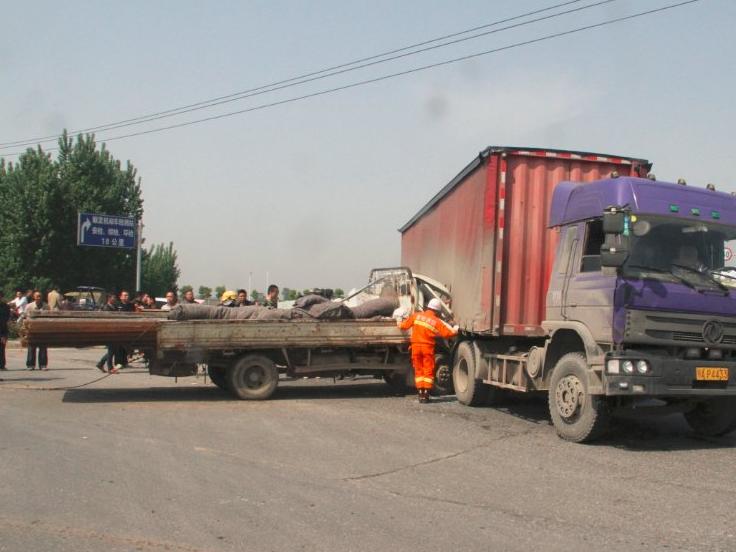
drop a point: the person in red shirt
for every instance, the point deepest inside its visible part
(425, 327)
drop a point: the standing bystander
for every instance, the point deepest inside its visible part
(4, 319)
(109, 357)
(37, 305)
(171, 300)
(54, 298)
(272, 297)
(188, 297)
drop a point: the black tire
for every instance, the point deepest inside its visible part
(217, 376)
(252, 377)
(577, 415)
(442, 376)
(469, 389)
(713, 417)
(397, 382)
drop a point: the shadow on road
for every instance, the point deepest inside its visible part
(213, 393)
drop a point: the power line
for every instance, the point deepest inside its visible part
(400, 73)
(315, 75)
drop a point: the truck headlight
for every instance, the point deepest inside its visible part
(642, 366)
(612, 366)
(627, 366)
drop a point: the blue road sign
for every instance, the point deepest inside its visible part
(96, 230)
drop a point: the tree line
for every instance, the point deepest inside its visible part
(40, 198)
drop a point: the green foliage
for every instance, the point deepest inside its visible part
(257, 296)
(204, 292)
(39, 202)
(288, 294)
(219, 290)
(160, 271)
(183, 289)
(339, 293)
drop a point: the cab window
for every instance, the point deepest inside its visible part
(591, 259)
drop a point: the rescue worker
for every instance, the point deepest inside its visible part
(425, 328)
(229, 299)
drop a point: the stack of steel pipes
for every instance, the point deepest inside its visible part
(84, 329)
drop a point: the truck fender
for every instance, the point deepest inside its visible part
(570, 336)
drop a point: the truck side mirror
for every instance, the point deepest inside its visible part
(614, 222)
(615, 250)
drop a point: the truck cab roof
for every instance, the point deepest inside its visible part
(576, 201)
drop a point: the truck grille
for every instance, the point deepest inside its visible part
(677, 328)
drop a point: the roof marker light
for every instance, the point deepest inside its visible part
(710, 186)
(715, 214)
(674, 208)
(681, 182)
(695, 211)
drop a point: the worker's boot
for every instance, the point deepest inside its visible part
(420, 395)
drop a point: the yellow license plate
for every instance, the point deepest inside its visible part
(711, 374)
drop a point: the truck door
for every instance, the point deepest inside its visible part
(559, 279)
(588, 291)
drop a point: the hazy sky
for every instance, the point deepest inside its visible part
(312, 192)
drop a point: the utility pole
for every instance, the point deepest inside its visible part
(250, 283)
(138, 256)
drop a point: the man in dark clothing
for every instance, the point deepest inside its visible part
(125, 305)
(4, 318)
(243, 299)
(109, 356)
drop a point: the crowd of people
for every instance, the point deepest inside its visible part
(26, 302)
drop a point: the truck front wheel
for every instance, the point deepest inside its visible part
(713, 417)
(253, 377)
(577, 415)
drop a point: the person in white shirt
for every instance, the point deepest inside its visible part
(43, 356)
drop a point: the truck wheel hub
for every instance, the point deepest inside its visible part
(569, 396)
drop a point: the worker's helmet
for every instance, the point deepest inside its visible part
(229, 295)
(435, 304)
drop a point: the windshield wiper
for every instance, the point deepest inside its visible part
(705, 272)
(685, 281)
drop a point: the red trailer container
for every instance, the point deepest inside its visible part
(485, 234)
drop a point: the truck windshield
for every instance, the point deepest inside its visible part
(685, 251)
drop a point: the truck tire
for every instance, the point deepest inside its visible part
(469, 390)
(442, 375)
(577, 415)
(713, 417)
(252, 377)
(217, 376)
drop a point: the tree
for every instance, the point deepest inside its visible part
(219, 290)
(339, 293)
(204, 292)
(39, 202)
(183, 289)
(257, 295)
(292, 295)
(160, 271)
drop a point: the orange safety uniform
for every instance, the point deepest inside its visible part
(425, 328)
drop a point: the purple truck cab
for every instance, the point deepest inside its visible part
(640, 305)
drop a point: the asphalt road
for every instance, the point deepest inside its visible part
(138, 462)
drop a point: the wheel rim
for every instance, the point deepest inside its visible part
(254, 377)
(569, 397)
(462, 375)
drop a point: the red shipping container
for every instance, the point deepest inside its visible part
(485, 235)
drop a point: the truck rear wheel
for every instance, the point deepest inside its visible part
(713, 417)
(217, 376)
(253, 377)
(577, 415)
(468, 389)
